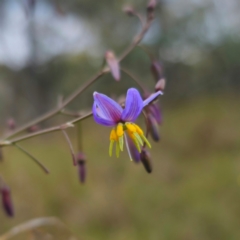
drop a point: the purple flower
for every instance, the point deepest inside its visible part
(109, 113)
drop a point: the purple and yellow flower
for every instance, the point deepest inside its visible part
(109, 113)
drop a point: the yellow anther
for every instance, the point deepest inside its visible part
(131, 127)
(130, 134)
(120, 130)
(138, 129)
(113, 135)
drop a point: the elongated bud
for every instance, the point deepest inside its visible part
(156, 112)
(113, 64)
(153, 128)
(146, 160)
(151, 5)
(160, 85)
(133, 150)
(7, 201)
(129, 10)
(81, 163)
(156, 69)
(11, 124)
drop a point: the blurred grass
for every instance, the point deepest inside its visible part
(193, 192)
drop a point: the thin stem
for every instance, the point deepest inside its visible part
(79, 137)
(58, 109)
(136, 40)
(70, 146)
(68, 100)
(33, 158)
(81, 118)
(70, 113)
(48, 130)
(145, 50)
(134, 79)
(38, 133)
(140, 17)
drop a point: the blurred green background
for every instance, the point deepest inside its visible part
(49, 48)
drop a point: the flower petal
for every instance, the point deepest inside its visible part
(107, 108)
(100, 118)
(133, 105)
(151, 98)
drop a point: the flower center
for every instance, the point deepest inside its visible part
(134, 132)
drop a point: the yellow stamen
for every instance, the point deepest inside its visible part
(120, 130)
(113, 135)
(146, 141)
(138, 138)
(139, 130)
(117, 149)
(111, 147)
(136, 143)
(131, 127)
(120, 142)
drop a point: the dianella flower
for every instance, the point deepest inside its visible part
(109, 113)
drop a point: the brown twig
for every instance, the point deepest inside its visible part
(68, 100)
(32, 157)
(134, 79)
(44, 131)
(70, 146)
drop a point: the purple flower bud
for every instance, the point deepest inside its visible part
(160, 85)
(7, 201)
(129, 10)
(157, 70)
(151, 5)
(81, 163)
(133, 150)
(155, 110)
(146, 160)
(153, 128)
(11, 124)
(113, 64)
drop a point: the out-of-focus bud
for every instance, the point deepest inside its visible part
(7, 201)
(129, 10)
(157, 69)
(160, 85)
(33, 128)
(133, 150)
(113, 64)
(81, 162)
(153, 128)
(156, 112)
(11, 124)
(151, 5)
(146, 160)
